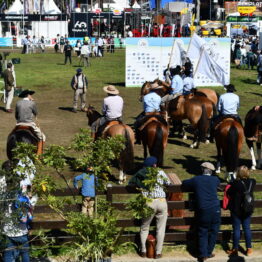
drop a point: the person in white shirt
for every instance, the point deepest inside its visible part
(85, 52)
(112, 109)
(188, 83)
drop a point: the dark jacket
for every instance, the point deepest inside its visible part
(236, 195)
(9, 79)
(68, 49)
(205, 189)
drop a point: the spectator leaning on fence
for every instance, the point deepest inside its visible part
(87, 191)
(158, 204)
(239, 214)
(207, 209)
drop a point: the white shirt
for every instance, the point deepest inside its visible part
(188, 84)
(85, 50)
(100, 42)
(113, 106)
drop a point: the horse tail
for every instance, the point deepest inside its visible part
(158, 147)
(214, 109)
(203, 124)
(231, 153)
(127, 155)
(217, 96)
(10, 145)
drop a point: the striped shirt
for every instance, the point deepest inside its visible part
(158, 191)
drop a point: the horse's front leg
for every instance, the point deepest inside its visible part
(122, 176)
(259, 156)
(252, 153)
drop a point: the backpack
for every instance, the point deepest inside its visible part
(247, 205)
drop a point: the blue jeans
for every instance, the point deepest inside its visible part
(208, 227)
(245, 222)
(15, 247)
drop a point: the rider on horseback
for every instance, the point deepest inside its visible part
(188, 82)
(25, 112)
(112, 109)
(176, 85)
(227, 107)
(151, 104)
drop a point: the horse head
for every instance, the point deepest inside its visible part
(146, 87)
(92, 115)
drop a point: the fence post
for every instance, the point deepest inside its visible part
(109, 196)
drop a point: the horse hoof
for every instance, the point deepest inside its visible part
(184, 137)
(207, 142)
(253, 168)
(120, 182)
(217, 171)
(192, 146)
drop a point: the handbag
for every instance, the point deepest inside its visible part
(226, 199)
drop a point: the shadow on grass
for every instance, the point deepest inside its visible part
(249, 81)
(2, 108)
(60, 63)
(193, 168)
(123, 84)
(66, 108)
(236, 259)
(177, 142)
(254, 93)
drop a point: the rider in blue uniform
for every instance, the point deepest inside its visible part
(151, 106)
(227, 106)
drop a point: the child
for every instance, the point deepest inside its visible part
(87, 191)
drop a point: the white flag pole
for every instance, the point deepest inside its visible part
(198, 62)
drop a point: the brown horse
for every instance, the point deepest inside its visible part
(115, 128)
(164, 88)
(154, 135)
(198, 110)
(253, 128)
(229, 136)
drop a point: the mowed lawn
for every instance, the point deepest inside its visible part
(46, 74)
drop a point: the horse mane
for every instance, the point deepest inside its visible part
(199, 93)
(92, 115)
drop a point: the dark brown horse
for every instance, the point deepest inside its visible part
(154, 135)
(198, 110)
(229, 136)
(253, 133)
(115, 128)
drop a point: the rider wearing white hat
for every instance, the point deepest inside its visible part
(112, 108)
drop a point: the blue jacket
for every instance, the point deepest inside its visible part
(177, 85)
(228, 104)
(205, 189)
(88, 184)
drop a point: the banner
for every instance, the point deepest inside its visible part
(243, 8)
(208, 67)
(147, 58)
(178, 56)
(6, 41)
(195, 46)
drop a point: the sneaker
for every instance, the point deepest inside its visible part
(249, 252)
(158, 256)
(9, 110)
(212, 255)
(232, 252)
(142, 254)
(74, 110)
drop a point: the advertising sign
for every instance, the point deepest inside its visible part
(6, 41)
(59, 17)
(147, 58)
(243, 8)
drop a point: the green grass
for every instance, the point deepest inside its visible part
(46, 74)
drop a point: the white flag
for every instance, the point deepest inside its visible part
(207, 66)
(178, 55)
(195, 45)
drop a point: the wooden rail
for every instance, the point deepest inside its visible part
(187, 221)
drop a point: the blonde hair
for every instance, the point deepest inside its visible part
(242, 172)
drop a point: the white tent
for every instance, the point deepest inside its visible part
(16, 8)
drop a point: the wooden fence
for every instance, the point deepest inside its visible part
(180, 225)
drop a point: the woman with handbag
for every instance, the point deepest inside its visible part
(241, 206)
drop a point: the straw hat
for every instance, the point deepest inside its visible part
(110, 89)
(208, 165)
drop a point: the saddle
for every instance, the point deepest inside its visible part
(150, 117)
(103, 128)
(28, 129)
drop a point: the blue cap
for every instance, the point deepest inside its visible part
(150, 161)
(78, 70)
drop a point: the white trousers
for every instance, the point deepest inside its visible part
(36, 129)
(9, 95)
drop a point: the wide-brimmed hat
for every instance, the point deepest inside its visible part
(230, 88)
(110, 89)
(208, 165)
(150, 161)
(26, 92)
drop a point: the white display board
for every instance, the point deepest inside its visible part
(147, 58)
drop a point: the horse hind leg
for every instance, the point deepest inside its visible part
(196, 141)
(122, 177)
(253, 157)
(219, 158)
(259, 156)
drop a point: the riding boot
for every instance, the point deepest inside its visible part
(40, 145)
(93, 135)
